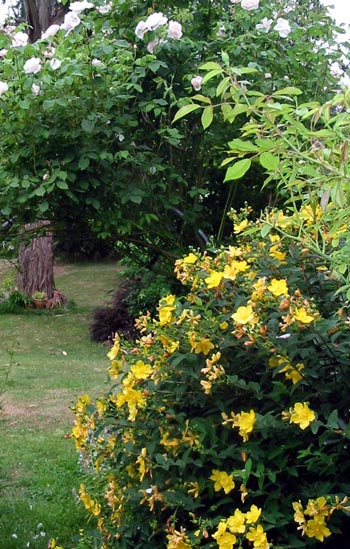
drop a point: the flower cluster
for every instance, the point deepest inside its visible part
(248, 331)
(155, 21)
(312, 520)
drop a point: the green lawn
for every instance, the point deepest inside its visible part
(51, 361)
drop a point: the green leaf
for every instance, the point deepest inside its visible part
(211, 65)
(238, 145)
(223, 86)
(185, 110)
(332, 421)
(269, 161)
(238, 170)
(200, 97)
(87, 125)
(266, 228)
(84, 163)
(211, 75)
(289, 90)
(62, 185)
(207, 117)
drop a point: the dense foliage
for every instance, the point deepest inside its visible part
(86, 112)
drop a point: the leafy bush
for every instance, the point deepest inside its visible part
(228, 421)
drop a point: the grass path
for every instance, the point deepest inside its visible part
(52, 362)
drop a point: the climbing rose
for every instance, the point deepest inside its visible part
(155, 20)
(141, 29)
(264, 25)
(282, 27)
(153, 44)
(36, 89)
(51, 31)
(250, 5)
(19, 39)
(197, 82)
(32, 66)
(71, 20)
(55, 64)
(78, 7)
(3, 87)
(174, 30)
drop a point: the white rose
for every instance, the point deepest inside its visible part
(265, 24)
(250, 5)
(71, 20)
(3, 87)
(141, 29)
(55, 64)
(51, 31)
(104, 9)
(282, 27)
(151, 45)
(19, 39)
(3, 52)
(235, 1)
(78, 7)
(97, 62)
(155, 20)
(174, 30)
(197, 83)
(36, 90)
(32, 66)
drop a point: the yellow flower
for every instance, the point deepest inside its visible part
(178, 540)
(244, 421)
(299, 514)
(276, 254)
(259, 288)
(134, 400)
(113, 353)
(302, 316)
(245, 315)
(141, 370)
(190, 259)
(115, 368)
(222, 480)
(204, 345)
(239, 227)
(90, 504)
(214, 279)
(253, 514)
(317, 529)
(166, 309)
(236, 522)
(169, 345)
(142, 463)
(225, 540)
(278, 287)
(302, 415)
(258, 537)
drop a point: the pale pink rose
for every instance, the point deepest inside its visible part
(174, 30)
(79, 7)
(250, 5)
(141, 29)
(155, 20)
(36, 90)
(51, 31)
(3, 87)
(265, 24)
(197, 83)
(151, 45)
(32, 66)
(235, 1)
(71, 20)
(19, 39)
(104, 9)
(282, 27)
(55, 64)
(3, 52)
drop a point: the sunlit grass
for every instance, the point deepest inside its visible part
(51, 362)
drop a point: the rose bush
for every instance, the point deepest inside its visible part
(227, 423)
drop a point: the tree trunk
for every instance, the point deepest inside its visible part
(36, 261)
(40, 14)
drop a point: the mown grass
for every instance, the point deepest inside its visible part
(51, 361)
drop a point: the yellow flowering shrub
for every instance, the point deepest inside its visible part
(227, 423)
